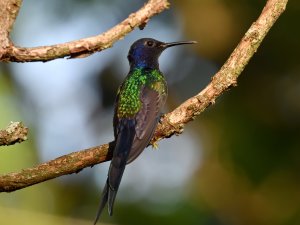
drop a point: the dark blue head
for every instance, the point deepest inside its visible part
(144, 53)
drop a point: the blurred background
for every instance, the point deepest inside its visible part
(237, 163)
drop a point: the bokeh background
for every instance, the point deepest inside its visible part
(237, 163)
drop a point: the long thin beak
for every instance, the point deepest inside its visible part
(167, 45)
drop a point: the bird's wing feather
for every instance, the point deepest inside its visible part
(146, 121)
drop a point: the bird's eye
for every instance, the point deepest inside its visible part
(150, 43)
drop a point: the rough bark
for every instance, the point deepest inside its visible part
(8, 12)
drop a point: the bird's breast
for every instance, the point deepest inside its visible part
(129, 101)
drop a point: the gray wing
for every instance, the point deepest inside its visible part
(146, 120)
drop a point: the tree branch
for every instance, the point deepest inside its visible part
(226, 76)
(8, 12)
(86, 46)
(14, 133)
(173, 122)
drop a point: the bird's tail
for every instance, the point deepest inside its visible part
(117, 166)
(103, 202)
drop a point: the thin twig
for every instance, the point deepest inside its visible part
(172, 122)
(14, 133)
(86, 46)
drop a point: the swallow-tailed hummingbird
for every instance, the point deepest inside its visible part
(137, 111)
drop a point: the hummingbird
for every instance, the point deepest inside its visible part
(137, 111)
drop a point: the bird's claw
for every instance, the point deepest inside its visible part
(154, 145)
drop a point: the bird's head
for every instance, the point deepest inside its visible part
(145, 52)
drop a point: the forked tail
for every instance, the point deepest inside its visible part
(117, 166)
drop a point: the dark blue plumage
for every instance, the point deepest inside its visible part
(137, 110)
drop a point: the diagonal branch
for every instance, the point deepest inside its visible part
(86, 46)
(173, 122)
(227, 75)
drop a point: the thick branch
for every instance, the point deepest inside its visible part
(86, 46)
(14, 133)
(173, 122)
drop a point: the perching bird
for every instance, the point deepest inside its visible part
(137, 111)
